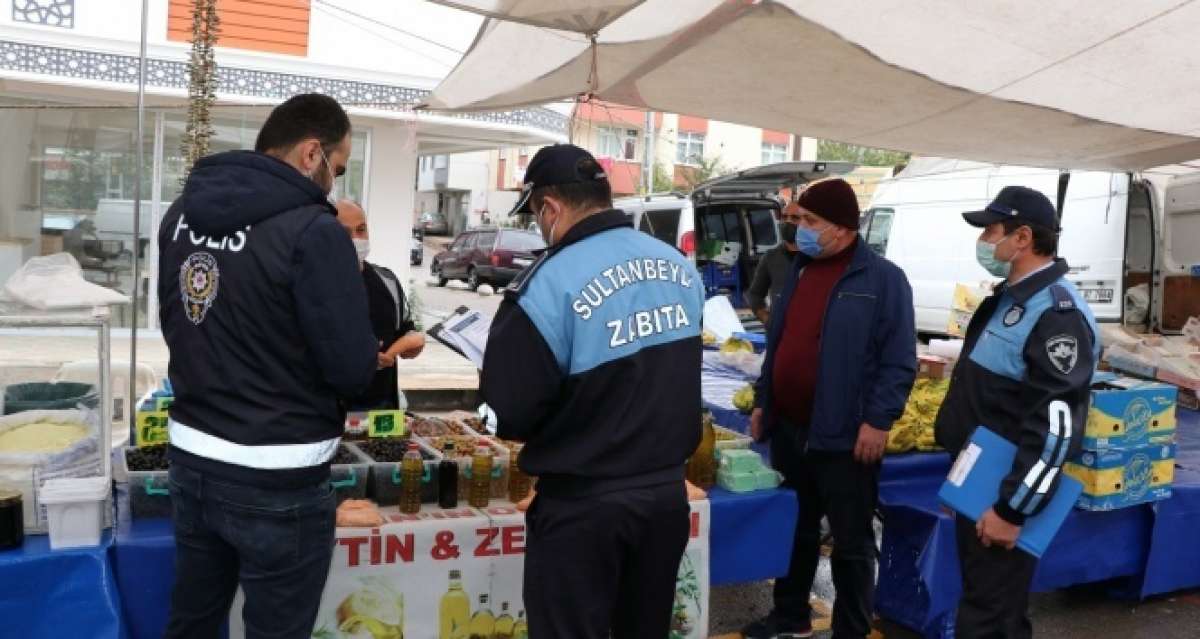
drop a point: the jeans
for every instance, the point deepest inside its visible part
(833, 485)
(277, 544)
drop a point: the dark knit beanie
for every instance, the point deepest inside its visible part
(832, 199)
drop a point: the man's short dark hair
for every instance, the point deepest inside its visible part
(1045, 239)
(308, 115)
(577, 195)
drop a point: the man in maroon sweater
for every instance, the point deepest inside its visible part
(841, 359)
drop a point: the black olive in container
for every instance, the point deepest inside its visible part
(12, 519)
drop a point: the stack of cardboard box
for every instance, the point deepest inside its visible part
(1129, 444)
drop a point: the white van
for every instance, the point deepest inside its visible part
(1113, 234)
(741, 207)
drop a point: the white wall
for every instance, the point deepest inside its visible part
(389, 197)
(469, 172)
(20, 237)
(664, 140)
(738, 146)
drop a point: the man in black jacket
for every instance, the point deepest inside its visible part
(264, 312)
(391, 316)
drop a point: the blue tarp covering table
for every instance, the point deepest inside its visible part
(750, 538)
(1174, 560)
(144, 563)
(58, 593)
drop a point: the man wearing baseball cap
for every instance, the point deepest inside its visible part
(593, 360)
(841, 360)
(1025, 372)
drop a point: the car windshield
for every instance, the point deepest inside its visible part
(521, 241)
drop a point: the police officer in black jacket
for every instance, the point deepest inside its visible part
(594, 361)
(1025, 371)
(264, 312)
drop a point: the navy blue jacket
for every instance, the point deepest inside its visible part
(263, 309)
(1025, 373)
(593, 360)
(868, 358)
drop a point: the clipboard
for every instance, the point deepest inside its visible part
(464, 332)
(973, 487)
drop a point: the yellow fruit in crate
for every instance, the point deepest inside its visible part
(743, 400)
(735, 345)
(708, 338)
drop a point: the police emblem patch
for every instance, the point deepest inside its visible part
(1063, 351)
(198, 281)
(1014, 315)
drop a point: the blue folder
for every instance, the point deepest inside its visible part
(974, 486)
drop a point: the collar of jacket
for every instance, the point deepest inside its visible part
(1023, 290)
(591, 225)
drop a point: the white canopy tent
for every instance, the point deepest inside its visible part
(1096, 84)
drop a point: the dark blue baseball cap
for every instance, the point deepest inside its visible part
(1019, 203)
(558, 164)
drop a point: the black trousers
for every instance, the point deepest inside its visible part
(996, 582)
(604, 564)
(832, 485)
(277, 543)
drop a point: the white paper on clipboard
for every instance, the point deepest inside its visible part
(466, 331)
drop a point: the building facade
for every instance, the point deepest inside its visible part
(471, 188)
(68, 81)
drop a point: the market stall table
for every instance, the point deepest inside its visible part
(749, 540)
(59, 593)
(1149, 545)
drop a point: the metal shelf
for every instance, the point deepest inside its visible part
(18, 316)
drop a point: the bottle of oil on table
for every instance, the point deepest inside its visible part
(448, 477)
(518, 482)
(702, 466)
(481, 477)
(454, 613)
(412, 471)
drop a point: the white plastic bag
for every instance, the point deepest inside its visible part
(1137, 304)
(69, 456)
(748, 363)
(1191, 330)
(56, 281)
(720, 319)
(729, 254)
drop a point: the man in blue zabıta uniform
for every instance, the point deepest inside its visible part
(594, 361)
(1027, 365)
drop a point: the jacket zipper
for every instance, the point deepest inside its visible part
(821, 341)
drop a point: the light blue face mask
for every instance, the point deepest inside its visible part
(809, 241)
(985, 254)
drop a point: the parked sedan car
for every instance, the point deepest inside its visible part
(433, 224)
(486, 255)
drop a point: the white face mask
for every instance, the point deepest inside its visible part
(363, 248)
(332, 178)
(548, 236)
